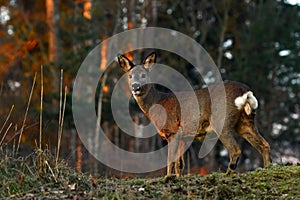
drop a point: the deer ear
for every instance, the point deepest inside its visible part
(125, 63)
(149, 60)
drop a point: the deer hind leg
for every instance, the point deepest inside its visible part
(179, 164)
(248, 130)
(234, 150)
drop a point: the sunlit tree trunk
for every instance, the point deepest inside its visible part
(54, 43)
(87, 8)
(103, 63)
(79, 155)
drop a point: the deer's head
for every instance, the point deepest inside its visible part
(138, 75)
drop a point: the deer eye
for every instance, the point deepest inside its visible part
(143, 75)
(130, 76)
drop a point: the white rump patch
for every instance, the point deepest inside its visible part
(252, 100)
(249, 98)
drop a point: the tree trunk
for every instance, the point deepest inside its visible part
(54, 43)
(79, 155)
(87, 8)
(224, 23)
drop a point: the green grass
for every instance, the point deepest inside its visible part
(24, 178)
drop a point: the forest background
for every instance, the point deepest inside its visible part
(253, 41)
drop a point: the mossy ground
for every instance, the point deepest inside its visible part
(21, 180)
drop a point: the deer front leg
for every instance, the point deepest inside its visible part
(170, 163)
(172, 154)
(179, 164)
(172, 146)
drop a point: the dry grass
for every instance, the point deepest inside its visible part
(20, 180)
(23, 178)
(26, 113)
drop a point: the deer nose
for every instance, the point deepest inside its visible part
(136, 87)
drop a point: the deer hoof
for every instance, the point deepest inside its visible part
(229, 171)
(232, 166)
(170, 177)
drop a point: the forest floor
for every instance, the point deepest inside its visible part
(37, 177)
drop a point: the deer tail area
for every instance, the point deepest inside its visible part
(247, 101)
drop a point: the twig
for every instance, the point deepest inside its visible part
(1, 88)
(62, 107)
(41, 106)
(3, 137)
(46, 162)
(40, 158)
(59, 115)
(14, 141)
(17, 132)
(61, 124)
(8, 116)
(25, 116)
(60, 94)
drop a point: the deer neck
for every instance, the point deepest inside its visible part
(148, 99)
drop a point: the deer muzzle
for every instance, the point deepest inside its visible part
(136, 88)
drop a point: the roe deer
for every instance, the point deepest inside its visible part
(240, 112)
